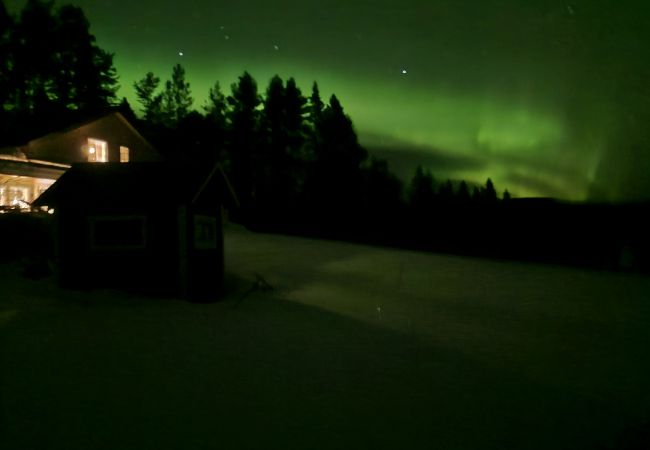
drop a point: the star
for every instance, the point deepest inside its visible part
(404, 71)
(276, 47)
(226, 37)
(181, 54)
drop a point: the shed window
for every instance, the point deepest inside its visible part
(97, 150)
(117, 233)
(205, 233)
(124, 154)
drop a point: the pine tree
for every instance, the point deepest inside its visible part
(35, 58)
(151, 102)
(216, 107)
(489, 193)
(339, 143)
(383, 192)
(316, 105)
(506, 196)
(244, 119)
(476, 194)
(463, 192)
(6, 62)
(337, 154)
(273, 118)
(314, 108)
(446, 191)
(421, 191)
(57, 67)
(86, 79)
(125, 109)
(295, 109)
(177, 98)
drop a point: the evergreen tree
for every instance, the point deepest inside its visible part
(506, 196)
(35, 58)
(382, 194)
(476, 194)
(273, 178)
(295, 119)
(125, 109)
(421, 192)
(86, 79)
(296, 129)
(446, 192)
(216, 107)
(337, 154)
(463, 192)
(273, 118)
(57, 66)
(244, 120)
(316, 105)
(151, 102)
(177, 98)
(339, 143)
(489, 193)
(6, 62)
(314, 108)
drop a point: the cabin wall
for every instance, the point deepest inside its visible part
(85, 261)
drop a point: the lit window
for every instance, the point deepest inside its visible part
(124, 154)
(97, 150)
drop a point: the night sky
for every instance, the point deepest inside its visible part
(548, 98)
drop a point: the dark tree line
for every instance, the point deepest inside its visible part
(295, 160)
(285, 152)
(51, 69)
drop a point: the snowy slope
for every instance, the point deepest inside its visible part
(353, 347)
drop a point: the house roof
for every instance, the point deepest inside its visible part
(21, 166)
(89, 121)
(132, 184)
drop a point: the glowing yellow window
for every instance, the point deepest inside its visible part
(97, 150)
(124, 154)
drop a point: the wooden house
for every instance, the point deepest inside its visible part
(154, 228)
(28, 170)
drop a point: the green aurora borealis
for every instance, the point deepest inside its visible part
(548, 98)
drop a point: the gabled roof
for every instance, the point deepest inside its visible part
(130, 185)
(78, 125)
(13, 165)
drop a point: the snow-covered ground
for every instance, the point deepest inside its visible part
(354, 347)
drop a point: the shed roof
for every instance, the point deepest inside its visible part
(133, 184)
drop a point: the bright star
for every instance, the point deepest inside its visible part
(181, 54)
(276, 47)
(404, 72)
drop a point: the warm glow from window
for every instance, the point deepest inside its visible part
(124, 154)
(97, 150)
(17, 192)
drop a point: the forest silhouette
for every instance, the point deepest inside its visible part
(294, 159)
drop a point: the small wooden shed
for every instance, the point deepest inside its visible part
(154, 228)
